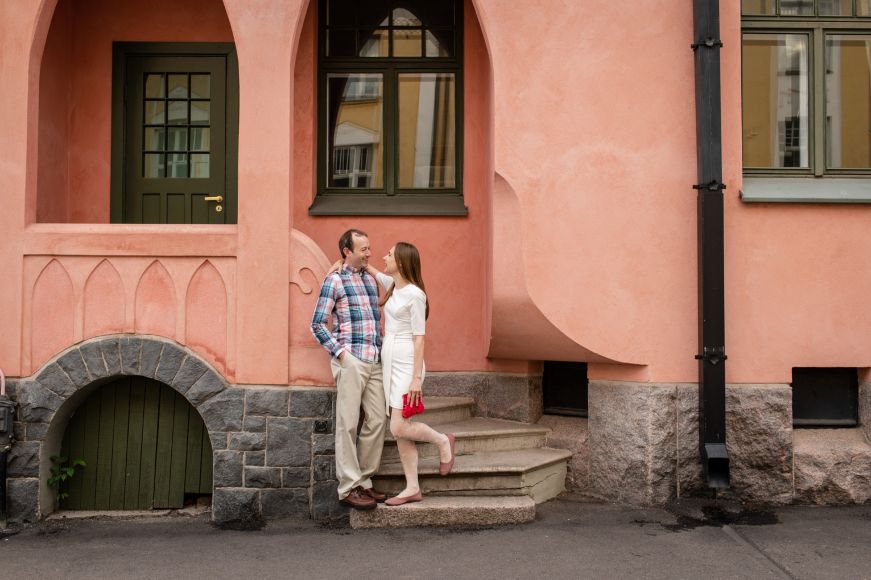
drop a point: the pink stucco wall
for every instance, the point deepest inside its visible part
(580, 156)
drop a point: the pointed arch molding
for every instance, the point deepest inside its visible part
(206, 313)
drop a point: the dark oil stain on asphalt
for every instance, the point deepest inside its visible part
(716, 516)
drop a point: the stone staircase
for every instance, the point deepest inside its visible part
(501, 472)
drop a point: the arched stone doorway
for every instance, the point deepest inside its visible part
(49, 401)
(143, 445)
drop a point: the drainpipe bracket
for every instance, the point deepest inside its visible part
(710, 186)
(707, 43)
(713, 354)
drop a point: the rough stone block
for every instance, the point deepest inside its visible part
(832, 466)
(93, 357)
(74, 366)
(325, 502)
(288, 442)
(262, 477)
(255, 458)
(190, 371)
(255, 424)
(324, 467)
(131, 347)
(23, 459)
(515, 397)
(236, 508)
(865, 409)
(36, 403)
(270, 402)
(12, 389)
(171, 358)
(223, 412)
(111, 349)
(690, 474)
(37, 431)
(311, 402)
(244, 441)
(323, 444)
(228, 468)
(295, 477)
(56, 380)
(571, 433)
(18, 430)
(285, 503)
(628, 462)
(22, 500)
(219, 440)
(208, 385)
(149, 357)
(759, 440)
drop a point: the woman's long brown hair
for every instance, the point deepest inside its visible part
(408, 263)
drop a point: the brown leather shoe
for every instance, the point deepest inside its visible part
(375, 494)
(358, 499)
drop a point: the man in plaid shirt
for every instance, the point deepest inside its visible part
(350, 297)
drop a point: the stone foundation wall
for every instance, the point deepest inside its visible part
(505, 396)
(273, 447)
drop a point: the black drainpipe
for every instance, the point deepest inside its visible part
(712, 360)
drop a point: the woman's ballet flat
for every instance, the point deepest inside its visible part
(446, 467)
(394, 501)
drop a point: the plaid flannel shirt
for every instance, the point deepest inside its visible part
(352, 298)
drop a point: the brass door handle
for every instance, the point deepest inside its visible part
(217, 198)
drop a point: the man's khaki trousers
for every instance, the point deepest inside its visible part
(357, 458)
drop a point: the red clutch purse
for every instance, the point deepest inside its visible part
(411, 410)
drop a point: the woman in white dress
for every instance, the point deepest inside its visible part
(405, 312)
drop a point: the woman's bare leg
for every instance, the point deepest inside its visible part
(406, 433)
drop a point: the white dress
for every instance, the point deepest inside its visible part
(404, 318)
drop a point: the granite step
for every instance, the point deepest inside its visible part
(449, 512)
(441, 410)
(539, 473)
(478, 434)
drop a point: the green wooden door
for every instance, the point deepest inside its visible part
(144, 445)
(175, 157)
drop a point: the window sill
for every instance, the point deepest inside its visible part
(806, 190)
(419, 204)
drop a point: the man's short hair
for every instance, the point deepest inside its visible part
(347, 240)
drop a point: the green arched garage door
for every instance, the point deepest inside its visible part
(145, 447)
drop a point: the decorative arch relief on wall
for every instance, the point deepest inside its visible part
(73, 298)
(309, 363)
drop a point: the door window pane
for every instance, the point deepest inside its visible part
(153, 86)
(200, 86)
(200, 165)
(200, 138)
(439, 43)
(848, 97)
(341, 42)
(200, 112)
(373, 43)
(178, 139)
(354, 131)
(152, 165)
(178, 113)
(341, 12)
(775, 94)
(427, 139)
(154, 138)
(177, 86)
(155, 112)
(177, 165)
(405, 17)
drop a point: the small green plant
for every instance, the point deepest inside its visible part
(62, 471)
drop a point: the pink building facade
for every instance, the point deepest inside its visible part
(567, 232)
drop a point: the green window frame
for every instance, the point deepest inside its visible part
(370, 161)
(814, 26)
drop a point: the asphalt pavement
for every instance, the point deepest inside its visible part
(570, 538)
